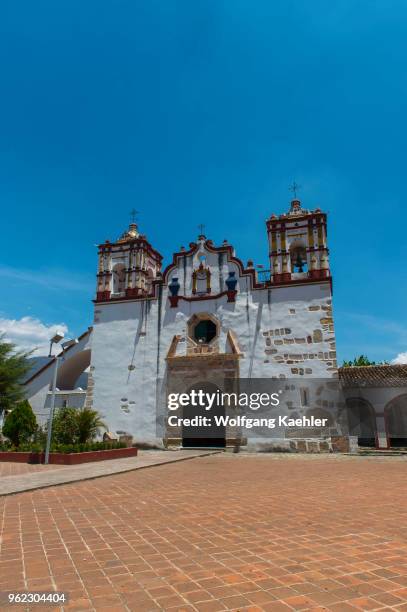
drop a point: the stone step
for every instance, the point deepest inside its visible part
(382, 452)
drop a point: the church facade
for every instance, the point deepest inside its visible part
(207, 315)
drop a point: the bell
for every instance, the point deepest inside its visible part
(299, 263)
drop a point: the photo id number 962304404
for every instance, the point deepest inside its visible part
(33, 597)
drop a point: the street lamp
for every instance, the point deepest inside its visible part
(2, 411)
(54, 340)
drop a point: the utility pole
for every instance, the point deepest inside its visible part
(54, 340)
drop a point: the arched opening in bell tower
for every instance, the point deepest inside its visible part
(298, 257)
(119, 278)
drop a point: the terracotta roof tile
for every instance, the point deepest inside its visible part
(374, 376)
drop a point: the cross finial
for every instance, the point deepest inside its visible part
(201, 227)
(294, 188)
(133, 215)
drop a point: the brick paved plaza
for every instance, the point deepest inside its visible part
(224, 532)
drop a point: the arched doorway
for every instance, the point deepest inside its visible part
(395, 415)
(199, 435)
(361, 421)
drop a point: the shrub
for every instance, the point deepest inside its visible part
(73, 430)
(62, 448)
(65, 428)
(6, 445)
(40, 437)
(83, 448)
(89, 424)
(20, 424)
(72, 426)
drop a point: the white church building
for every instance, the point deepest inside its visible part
(205, 315)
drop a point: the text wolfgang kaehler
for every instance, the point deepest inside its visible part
(252, 401)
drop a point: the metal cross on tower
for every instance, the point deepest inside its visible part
(201, 227)
(294, 188)
(133, 215)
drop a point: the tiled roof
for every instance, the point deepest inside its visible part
(36, 364)
(374, 376)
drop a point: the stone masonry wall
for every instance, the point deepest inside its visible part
(283, 346)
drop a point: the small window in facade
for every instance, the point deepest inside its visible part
(304, 396)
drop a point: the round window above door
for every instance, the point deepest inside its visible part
(205, 331)
(203, 328)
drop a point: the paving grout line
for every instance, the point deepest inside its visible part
(95, 476)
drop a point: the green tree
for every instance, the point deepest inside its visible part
(89, 424)
(65, 428)
(362, 360)
(20, 424)
(13, 366)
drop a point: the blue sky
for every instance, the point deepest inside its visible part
(202, 112)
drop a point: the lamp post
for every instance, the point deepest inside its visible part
(54, 340)
(1, 411)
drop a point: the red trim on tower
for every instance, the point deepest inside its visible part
(132, 292)
(197, 298)
(102, 296)
(318, 274)
(267, 284)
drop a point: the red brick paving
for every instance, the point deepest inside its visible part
(226, 532)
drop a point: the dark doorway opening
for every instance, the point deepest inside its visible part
(211, 435)
(203, 442)
(396, 422)
(362, 422)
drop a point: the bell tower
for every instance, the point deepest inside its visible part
(127, 268)
(298, 245)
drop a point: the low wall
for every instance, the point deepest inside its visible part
(331, 444)
(69, 458)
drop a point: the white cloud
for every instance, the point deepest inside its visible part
(401, 358)
(28, 333)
